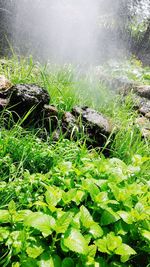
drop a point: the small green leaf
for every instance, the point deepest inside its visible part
(63, 222)
(101, 197)
(78, 197)
(96, 230)
(102, 245)
(65, 167)
(53, 196)
(146, 234)
(67, 262)
(125, 250)
(113, 241)
(125, 258)
(15, 264)
(76, 221)
(48, 260)
(4, 216)
(75, 241)
(63, 247)
(85, 217)
(67, 197)
(92, 251)
(4, 233)
(125, 216)
(108, 217)
(35, 251)
(40, 221)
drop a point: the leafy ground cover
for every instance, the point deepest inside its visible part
(62, 205)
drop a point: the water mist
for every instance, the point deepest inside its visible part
(63, 31)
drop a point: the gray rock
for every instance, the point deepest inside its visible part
(24, 97)
(48, 118)
(143, 91)
(69, 125)
(93, 120)
(141, 104)
(120, 84)
(87, 121)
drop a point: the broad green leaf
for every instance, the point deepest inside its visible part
(53, 196)
(68, 262)
(146, 234)
(125, 250)
(78, 197)
(67, 197)
(75, 241)
(21, 215)
(113, 241)
(42, 222)
(96, 230)
(92, 251)
(92, 188)
(4, 216)
(101, 197)
(63, 222)
(76, 221)
(35, 251)
(108, 217)
(85, 217)
(102, 245)
(48, 260)
(125, 216)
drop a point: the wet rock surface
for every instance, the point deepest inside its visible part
(48, 118)
(142, 104)
(84, 121)
(140, 98)
(93, 120)
(143, 91)
(24, 97)
(96, 126)
(69, 124)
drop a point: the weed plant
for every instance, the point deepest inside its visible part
(62, 205)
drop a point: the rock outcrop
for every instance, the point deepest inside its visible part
(32, 101)
(84, 121)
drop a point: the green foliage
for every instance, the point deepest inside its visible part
(62, 205)
(110, 219)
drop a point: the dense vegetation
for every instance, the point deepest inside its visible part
(62, 204)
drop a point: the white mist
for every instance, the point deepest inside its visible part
(63, 31)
